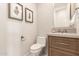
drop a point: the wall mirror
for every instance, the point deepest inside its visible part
(63, 13)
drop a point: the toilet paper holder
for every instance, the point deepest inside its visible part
(22, 38)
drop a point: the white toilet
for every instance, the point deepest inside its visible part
(36, 48)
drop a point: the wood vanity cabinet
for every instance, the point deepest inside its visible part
(63, 46)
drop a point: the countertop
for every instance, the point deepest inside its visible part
(71, 35)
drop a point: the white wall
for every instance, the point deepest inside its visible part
(3, 18)
(45, 18)
(11, 31)
(30, 29)
(17, 28)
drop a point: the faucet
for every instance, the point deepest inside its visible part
(64, 31)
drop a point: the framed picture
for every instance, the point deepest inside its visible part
(28, 15)
(15, 11)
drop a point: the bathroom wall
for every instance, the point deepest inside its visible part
(18, 28)
(30, 29)
(11, 31)
(45, 18)
(3, 18)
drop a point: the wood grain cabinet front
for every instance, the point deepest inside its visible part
(63, 46)
(58, 52)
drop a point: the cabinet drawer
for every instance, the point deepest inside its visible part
(72, 43)
(57, 52)
(68, 43)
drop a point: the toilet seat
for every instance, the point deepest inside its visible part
(36, 46)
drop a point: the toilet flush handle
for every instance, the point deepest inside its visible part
(22, 38)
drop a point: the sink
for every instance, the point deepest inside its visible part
(64, 30)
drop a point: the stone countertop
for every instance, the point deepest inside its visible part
(71, 35)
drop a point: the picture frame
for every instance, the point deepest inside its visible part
(15, 11)
(28, 15)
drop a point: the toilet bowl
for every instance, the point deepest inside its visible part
(36, 48)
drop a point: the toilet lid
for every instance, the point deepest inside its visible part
(35, 46)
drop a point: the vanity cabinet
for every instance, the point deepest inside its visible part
(63, 46)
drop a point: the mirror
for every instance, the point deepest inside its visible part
(64, 18)
(63, 13)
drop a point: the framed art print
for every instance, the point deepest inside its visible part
(28, 15)
(15, 11)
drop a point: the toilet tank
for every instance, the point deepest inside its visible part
(41, 40)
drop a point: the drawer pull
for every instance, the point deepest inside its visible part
(62, 43)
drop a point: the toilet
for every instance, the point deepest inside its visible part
(36, 48)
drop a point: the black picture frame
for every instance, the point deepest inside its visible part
(20, 12)
(28, 15)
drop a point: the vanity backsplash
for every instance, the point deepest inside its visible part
(64, 30)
